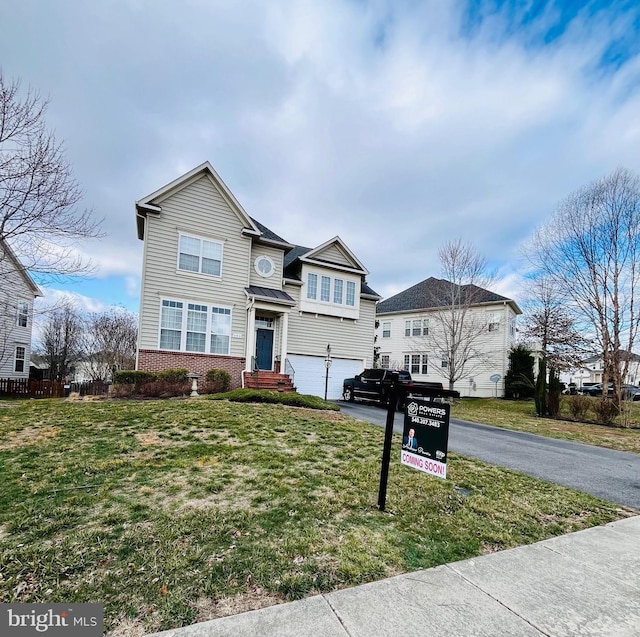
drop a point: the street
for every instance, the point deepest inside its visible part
(611, 475)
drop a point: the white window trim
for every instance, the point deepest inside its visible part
(23, 359)
(199, 272)
(19, 305)
(183, 327)
(267, 258)
(332, 305)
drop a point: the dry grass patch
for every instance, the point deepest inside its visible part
(171, 512)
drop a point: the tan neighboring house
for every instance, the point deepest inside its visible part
(409, 336)
(221, 290)
(17, 294)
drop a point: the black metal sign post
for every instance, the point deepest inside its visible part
(388, 435)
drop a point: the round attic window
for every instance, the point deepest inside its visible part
(264, 266)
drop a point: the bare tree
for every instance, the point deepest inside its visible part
(39, 196)
(61, 341)
(110, 343)
(456, 327)
(590, 249)
(550, 328)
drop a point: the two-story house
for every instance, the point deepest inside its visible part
(17, 294)
(419, 327)
(221, 290)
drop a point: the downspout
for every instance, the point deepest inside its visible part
(252, 302)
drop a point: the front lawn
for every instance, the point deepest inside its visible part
(521, 416)
(177, 511)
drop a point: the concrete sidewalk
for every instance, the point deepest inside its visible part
(577, 585)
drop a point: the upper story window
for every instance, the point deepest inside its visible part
(202, 328)
(312, 286)
(351, 293)
(493, 321)
(22, 314)
(325, 289)
(330, 293)
(386, 329)
(338, 286)
(416, 327)
(200, 255)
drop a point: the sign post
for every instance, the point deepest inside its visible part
(426, 436)
(388, 436)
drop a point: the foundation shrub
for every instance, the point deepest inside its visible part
(217, 381)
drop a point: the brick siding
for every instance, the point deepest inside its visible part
(150, 360)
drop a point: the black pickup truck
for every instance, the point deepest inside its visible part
(375, 385)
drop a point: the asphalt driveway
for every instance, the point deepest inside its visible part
(611, 475)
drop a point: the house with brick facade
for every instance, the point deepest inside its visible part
(222, 291)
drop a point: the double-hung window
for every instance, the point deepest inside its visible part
(416, 363)
(416, 327)
(171, 325)
(220, 330)
(22, 314)
(196, 328)
(21, 355)
(386, 329)
(338, 285)
(351, 293)
(312, 286)
(200, 255)
(202, 328)
(325, 289)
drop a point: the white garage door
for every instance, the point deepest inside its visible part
(310, 374)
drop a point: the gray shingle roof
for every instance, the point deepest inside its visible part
(267, 233)
(269, 294)
(433, 293)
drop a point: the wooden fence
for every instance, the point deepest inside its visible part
(26, 388)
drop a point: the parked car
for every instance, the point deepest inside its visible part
(375, 385)
(629, 392)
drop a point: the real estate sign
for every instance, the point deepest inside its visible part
(425, 436)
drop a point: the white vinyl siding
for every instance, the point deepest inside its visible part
(494, 346)
(310, 333)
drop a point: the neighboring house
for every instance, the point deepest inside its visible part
(592, 370)
(221, 290)
(17, 294)
(410, 335)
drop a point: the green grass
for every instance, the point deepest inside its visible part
(521, 416)
(172, 512)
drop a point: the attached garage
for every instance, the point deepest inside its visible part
(310, 374)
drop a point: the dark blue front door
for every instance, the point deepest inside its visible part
(264, 349)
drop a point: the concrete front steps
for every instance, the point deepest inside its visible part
(268, 380)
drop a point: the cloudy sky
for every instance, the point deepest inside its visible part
(396, 124)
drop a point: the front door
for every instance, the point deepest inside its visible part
(264, 349)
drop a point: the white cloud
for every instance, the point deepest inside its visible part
(386, 123)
